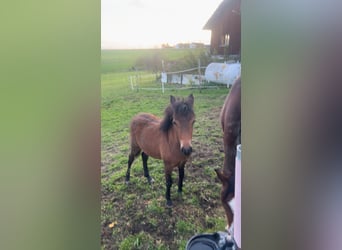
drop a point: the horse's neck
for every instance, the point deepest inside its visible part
(172, 138)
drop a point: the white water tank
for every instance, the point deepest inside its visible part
(225, 73)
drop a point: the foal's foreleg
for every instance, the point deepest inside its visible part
(181, 177)
(146, 172)
(168, 179)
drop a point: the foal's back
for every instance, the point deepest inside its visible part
(145, 134)
(142, 121)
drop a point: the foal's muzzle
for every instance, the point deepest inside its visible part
(186, 150)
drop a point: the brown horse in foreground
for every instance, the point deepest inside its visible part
(168, 139)
(231, 126)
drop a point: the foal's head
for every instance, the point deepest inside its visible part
(179, 115)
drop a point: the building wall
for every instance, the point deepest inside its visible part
(226, 22)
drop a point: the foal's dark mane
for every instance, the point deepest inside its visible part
(180, 107)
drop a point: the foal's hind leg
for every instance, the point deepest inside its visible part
(146, 172)
(131, 157)
(168, 179)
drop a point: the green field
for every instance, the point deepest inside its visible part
(123, 60)
(135, 216)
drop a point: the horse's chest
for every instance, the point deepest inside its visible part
(174, 156)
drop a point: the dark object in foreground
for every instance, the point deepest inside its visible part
(231, 127)
(213, 241)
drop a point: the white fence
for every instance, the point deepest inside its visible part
(222, 73)
(187, 76)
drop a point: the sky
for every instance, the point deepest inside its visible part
(140, 24)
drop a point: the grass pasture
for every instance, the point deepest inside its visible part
(123, 60)
(135, 216)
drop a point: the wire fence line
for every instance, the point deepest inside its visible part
(178, 80)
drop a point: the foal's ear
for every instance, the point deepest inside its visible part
(191, 99)
(172, 99)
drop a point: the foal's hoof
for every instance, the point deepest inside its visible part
(150, 180)
(169, 203)
(127, 182)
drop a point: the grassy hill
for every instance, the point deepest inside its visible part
(124, 60)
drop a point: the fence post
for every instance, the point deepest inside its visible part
(131, 81)
(199, 75)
